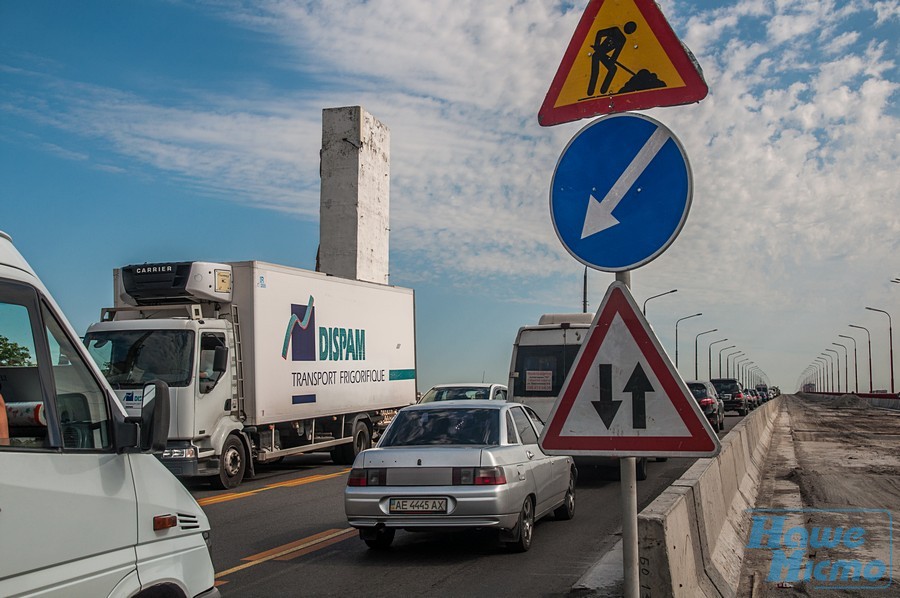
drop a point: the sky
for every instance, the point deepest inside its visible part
(149, 131)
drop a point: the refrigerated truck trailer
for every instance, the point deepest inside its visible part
(262, 361)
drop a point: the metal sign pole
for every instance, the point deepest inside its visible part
(628, 475)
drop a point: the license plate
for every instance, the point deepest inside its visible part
(418, 505)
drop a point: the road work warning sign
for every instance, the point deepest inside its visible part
(623, 56)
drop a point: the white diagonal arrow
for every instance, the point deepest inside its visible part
(599, 213)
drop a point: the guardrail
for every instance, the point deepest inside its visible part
(692, 536)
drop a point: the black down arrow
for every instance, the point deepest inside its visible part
(606, 407)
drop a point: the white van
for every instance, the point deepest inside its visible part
(85, 508)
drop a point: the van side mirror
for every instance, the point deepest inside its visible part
(220, 360)
(155, 417)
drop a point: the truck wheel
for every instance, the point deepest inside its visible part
(233, 465)
(362, 439)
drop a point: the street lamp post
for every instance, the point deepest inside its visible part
(644, 309)
(696, 349)
(855, 364)
(738, 367)
(831, 366)
(890, 342)
(676, 334)
(869, 335)
(822, 368)
(728, 366)
(846, 367)
(710, 354)
(720, 358)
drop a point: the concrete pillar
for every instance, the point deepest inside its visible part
(354, 209)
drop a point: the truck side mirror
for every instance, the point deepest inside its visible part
(220, 360)
(155, 417)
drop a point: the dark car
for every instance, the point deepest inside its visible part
(710, 403)
(732, 394)
(763, 391)
(752, 398)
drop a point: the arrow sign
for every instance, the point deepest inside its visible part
(664, 419)
(621, 192)
(606, 407)
(599, 213)
(638, 385)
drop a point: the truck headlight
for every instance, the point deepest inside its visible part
(180, 453)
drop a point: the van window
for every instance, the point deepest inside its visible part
(20, 381)
(80, 400)
(543, 369)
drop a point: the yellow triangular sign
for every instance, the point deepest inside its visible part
(623, 56)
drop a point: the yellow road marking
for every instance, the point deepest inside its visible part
(317, 539)
(229, 496)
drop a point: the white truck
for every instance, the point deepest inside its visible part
(262, 361)
(541, 359)
(86, 509)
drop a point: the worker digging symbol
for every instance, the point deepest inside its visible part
(607, 46)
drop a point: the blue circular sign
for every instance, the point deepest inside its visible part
(621, 192)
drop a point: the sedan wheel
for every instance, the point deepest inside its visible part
(566, 510)
(526, 528)
(382, 538)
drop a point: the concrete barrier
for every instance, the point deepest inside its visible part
(692, 536)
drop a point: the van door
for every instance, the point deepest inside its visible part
(67, 500)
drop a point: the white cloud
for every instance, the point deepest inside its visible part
(795, 151)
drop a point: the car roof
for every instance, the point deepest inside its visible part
(461, 404)
(468, 385)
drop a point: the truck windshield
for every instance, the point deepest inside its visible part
(131, 358)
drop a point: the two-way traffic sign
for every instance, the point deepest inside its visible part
(621, 192)
(623, 397)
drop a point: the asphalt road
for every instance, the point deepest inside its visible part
(284, 534)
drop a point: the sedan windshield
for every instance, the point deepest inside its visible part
(131, 358)
(417, 427)
(456, 393)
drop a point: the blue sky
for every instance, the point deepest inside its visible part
(151, 131)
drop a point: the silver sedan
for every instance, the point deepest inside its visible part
(459, 464)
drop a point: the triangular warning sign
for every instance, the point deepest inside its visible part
(623, 397)
(623, 56)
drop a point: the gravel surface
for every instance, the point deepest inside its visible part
(838, 456)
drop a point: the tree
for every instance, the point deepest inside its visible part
(12, 354)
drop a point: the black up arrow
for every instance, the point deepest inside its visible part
(637, 385)
(606, 407)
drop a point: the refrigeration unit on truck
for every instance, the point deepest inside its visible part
(541, 359)
(262, 361)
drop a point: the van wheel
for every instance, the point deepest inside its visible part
(233, 464)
